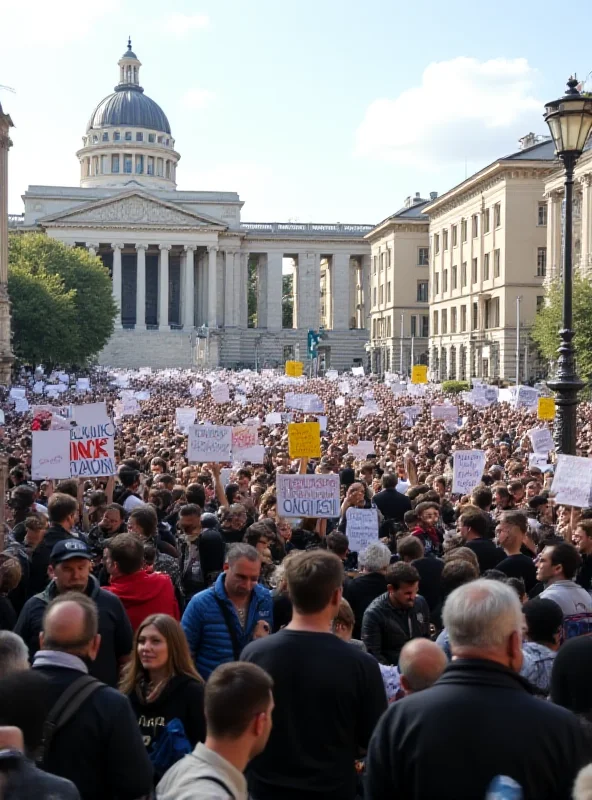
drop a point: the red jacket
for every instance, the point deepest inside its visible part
(143, 594)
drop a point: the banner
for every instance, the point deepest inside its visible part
(308, 496)
(304, 440)
(467, 470)
(362, 528)
(209, 443)
(92, 450)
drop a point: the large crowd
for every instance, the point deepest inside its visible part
(165, 632)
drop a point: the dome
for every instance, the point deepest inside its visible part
(129, 107)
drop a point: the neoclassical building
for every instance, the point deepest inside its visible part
(182, 262)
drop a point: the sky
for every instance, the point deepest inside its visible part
(315, 111)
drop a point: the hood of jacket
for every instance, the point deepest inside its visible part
(139, 587)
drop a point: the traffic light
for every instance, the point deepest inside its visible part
(313, 341)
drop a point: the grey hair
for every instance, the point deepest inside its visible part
(375, 557)
(14, 654)
(583, 786)
(236, 551)
(482, 614)
(421, 662)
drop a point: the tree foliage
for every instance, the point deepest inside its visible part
(288, 301)
(548, 322)
(454, 387)
(63, 309)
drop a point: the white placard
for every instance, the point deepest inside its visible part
(143, 395)
(51, 455)
(572, 482)
(361, 528)
(308, 496)
(17, 392)
(225, 475)
(83, 384)
(21, 405)
(445, 412)
(196, 390)
(254, 454)
(322, 422)
(90, 413)
(361, 449)
(340, 401)
(274, 418)
(209, 443)
(332, 375)
(540, 460)
(51, 390)
(63, 377)
(358, 372)
(344, 387)
(2, 417)
(468, 468)
(92, 448)
(542, 440)
(38, 387)
(184, 417)
(527, 397)
(220, 393)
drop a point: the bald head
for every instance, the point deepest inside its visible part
(70, 624)
(421, 663)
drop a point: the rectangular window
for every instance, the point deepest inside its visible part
(388, 292)
(486, 221)
(487, 309)
(496, 263)
(541, 262)
(413, 325)
(454, 235)
(152, 137)
(105, 136)
(114, 163)
(374, 297)
(159, 167)
(139, 165)
(160, 139)
(445, 239)
(454, 278)
(474, 271)
(128, 164)
(388, 326)
(436, 243)
(475, 225)
(150, 165)
(168, 169)
(381, 293)
(423, 256)
(128, 136)
(435, 322)
(105, 165)
(444, 321)
(486, 267)
(497, 215)
(116, 136)
(453, 320)
(425, 326)
(375, 264)
(540, 301)
(492, 313)
(445, 281)
(542, 214)
(463, 319)
(475, 317)
(463, 230)
(422, 291)
(388, 258)
(139, 136)
(437, 282)
(374, 329)
(463, 274)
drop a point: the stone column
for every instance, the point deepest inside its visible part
(586, 239)
(92, 247)
(189, 289)
(366, 299)
(352, 272)
(340, 291)
(274, 291)
(141, 286)
(554, 235)
(116, 277)
(308, 283)
(262, 290)
(163, 288)
(240, 288)
(229, 313)
(212, 287)
(6, 356)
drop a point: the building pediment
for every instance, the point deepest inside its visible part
(131, 210)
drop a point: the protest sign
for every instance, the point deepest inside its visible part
(362, 528)
(304, 440)
(63, 377)
(225, 475)
(542, 440)
(416, 389)
(310, 403)
(445, 413)
(196, 390)
(344, 387)
(308, 496)
(51, 455)
(89, 413)
(546, 408)
(398, 388)
(526, 397)
(145, 371)
(38, 387)
(274, 418)
(92, 449)
(243, 438)
(294, 368)
(83, 384)
(361, 449)
(322, 422)
(144, 395)
(539, 460)
(209, 443)
(451, 427)
(572, 483)
(220, 393)
(184, 417)
(467, 470)
(17, 392)
(21, 405)
(332, 375)
(2, 417)
(51, 390)
(340, 401)
(368, 410)
(358, 372)
(419, 373)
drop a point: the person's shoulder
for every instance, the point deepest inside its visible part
(201, 599)
(378, 602)
(105, 597)
(262, 592)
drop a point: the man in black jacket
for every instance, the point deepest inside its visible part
(361, 591)
(482, 700)
(70, 570)
(100, 749)
(473, 526)
(63, 513)
(202, 552)
(390, 502)
(397, 616)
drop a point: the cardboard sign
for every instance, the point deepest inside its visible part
(358, 372)
(17, 392)
(243, 437)
(294, 368)
(220, 393)
(92, 450)
(340, 401)
(445, 413)
(275, 418)
(184, 417)
(51, 455)
(572, 483)
(196, 390)
(209, 443)
(526, 397)
(89, 413)
(83, 385)
(304, 440)
(332, 375)
(539, 460)
(467, 470)
(38, 387)
(419, 373)
(308, 496)
(21, 405)
(310, 403)
(143, 395)
(362, 528)
(542, 440)
(546, 408)
(361, 449)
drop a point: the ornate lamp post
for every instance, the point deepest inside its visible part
(570, 121)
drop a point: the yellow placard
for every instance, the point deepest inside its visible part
(304, 439)
(546, 408)
(419, 373)
(294, 369)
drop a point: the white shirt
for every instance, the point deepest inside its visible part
(402, 486)
(132, 502)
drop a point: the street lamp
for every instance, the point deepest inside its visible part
(570, 121)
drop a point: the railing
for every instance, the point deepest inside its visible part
(308, 228)
(14, 220)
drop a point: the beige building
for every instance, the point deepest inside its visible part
(399, 294)
(488, 265)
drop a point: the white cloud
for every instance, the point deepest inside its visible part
(182, 24)
(38, 21)
(463, 109)
(197, 99)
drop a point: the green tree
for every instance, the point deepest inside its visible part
(545, 330)
(62, 304)
(252, 294)
(288, 301)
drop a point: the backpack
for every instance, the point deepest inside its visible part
(169, 747)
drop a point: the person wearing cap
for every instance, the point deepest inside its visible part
(70, 570)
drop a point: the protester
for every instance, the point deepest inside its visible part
(557, 568)
(544, 623)
(369, 584)
(391, 503)
(14, 654)
(63, 513)
(511, 531)
(201, 557)
(474, 526)
(421, 663)
(582, 539)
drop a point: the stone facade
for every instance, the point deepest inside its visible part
(6, 356)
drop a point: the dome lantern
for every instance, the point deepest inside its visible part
(129, 70)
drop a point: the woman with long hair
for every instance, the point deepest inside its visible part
(164, 689)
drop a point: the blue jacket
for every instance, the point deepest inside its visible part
(206, 630)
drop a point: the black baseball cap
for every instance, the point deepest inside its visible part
(69, 548)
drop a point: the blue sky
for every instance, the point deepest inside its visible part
(318, 110)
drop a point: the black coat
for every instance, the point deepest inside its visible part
(478, 721)
(392, 504)
(385, 629)
(360, 592)
(488, 554)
